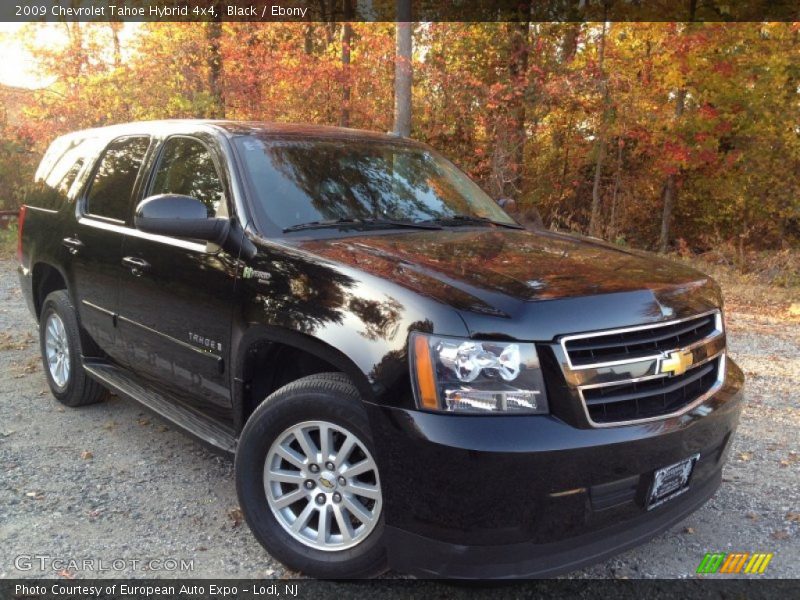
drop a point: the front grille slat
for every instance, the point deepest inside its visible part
(593, 344)
(639, 343)
(656, 395)
(654, 401)
(620, 393)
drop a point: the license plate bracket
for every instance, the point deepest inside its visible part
(671, 481)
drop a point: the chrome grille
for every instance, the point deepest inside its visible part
(636, 400)
(648, 372)
(638, 343)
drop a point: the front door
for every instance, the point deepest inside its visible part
(176, 295)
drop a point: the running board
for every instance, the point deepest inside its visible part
(206, 430)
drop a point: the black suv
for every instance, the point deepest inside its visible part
(405, 375)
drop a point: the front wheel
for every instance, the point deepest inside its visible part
(308, 482)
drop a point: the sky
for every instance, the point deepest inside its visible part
(18, 67)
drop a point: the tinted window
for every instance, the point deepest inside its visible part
(115, 177)
(299, 181)
(186, 168)
(69, 178)
(58, 172)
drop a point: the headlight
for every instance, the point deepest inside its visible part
(478, 376)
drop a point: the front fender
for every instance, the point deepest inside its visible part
(352, 319)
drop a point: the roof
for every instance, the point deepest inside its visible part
(233, 128)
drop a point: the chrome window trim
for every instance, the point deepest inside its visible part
(124, 230)
(682, 411)
(718, 330)
(51, 211)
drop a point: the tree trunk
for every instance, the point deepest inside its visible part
(518, 70)
(213, 38)
(115, 27)
(600, 146)
(308, 39)
(347, 34)
(402, 70)
(670, 192)
(612, 221)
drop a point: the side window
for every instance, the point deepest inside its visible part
(186, 168)
(57, 172)
(112, 186)
(69, 178)
(52, 192)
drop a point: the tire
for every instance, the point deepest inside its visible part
(328, 402)
(59, 335)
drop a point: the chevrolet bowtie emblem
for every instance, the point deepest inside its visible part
(677, 362)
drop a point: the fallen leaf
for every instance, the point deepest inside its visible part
(745, 456)
(793, 516)
(143, 422)
(86, 455)
(752, 516)
(689, 530)
(780, 535)
(235, 514)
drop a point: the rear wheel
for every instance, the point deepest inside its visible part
(308, 482)
(60, 342)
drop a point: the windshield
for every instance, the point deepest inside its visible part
(298, 182)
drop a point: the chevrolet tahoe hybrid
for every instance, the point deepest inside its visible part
(406, 377)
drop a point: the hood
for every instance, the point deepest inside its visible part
(512, 274)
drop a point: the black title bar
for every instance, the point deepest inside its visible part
(399, 10)
(250, 589)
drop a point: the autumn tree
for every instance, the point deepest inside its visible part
(651, 134)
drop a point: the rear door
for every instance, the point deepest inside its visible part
(176, 297)
(94, 245)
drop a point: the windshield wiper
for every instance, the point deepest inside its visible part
(319, 224)
(401, 223)
(471, 220)
(361, 223)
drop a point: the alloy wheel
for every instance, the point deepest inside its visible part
(322, 485)
(57, 350)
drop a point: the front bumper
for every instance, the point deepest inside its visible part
(514, 496)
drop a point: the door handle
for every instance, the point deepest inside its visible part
(73, 245)
(136, 265)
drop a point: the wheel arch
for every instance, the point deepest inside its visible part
(294, 355)
(45, 279)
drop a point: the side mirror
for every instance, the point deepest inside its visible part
(180, 216)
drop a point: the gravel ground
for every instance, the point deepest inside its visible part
(109, 481)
